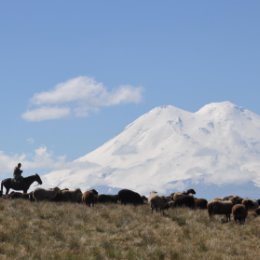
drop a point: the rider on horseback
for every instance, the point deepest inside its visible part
(18, 173)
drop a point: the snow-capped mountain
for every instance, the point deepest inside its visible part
(214, 149)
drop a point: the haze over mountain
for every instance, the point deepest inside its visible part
(215, 150)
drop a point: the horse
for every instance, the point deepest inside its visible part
(24, 185)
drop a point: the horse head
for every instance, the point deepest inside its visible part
(38, 178)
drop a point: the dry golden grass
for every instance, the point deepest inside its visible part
(73, 231)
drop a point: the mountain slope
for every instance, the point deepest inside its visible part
(168, 148)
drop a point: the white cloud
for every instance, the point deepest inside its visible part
(42, 160)
(46, 113)
(79, 97)
(125, 94)
(8, 162)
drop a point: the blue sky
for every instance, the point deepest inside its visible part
(121, 58)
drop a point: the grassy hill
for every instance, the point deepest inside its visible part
(48, 231)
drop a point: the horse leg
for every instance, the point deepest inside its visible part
(7, 190)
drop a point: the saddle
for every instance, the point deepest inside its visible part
(17, 181)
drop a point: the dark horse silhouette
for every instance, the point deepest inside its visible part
(24, 185)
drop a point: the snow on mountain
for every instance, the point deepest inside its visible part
(168, 149)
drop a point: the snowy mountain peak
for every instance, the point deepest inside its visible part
(158, 115)
(167, 109)
(169, 148)
(222, 110)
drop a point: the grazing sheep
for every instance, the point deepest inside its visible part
(183, 200)
(250, 204)
(239, 212)
(126, 196)
(42, 194)
(90, 197)
(187, 192)
(18, 195)
(159, 203)
(228, 197)
(201, 203)
(103, 198)
(190, 192)
(217, 207)
(176, 195)
(67, 195)
(234, 199)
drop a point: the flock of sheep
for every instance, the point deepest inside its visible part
(231, 205)
(236, 206)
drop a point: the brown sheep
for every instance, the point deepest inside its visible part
(18, 195)
(183, 200)
(234, 198)
(217, 207)
(42, 194)
(90, 197)
(250, 204)
(228, 197)
(159, 203)
(201, 203)
(239, 212)
(67, 195)
(188, 192)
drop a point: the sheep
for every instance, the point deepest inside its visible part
(234, 199)
(90, 197)
(184, 200)
(190, 192)
(239, 212)
(201, 203)
(67, 195)
(159, 203)
(42, 194)
(126, 196)
(249, 204)
(18, 195)
(217, 207)
(228, 197)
